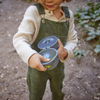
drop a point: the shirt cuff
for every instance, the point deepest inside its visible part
(63, 60)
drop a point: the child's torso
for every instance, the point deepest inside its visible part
(52, 28)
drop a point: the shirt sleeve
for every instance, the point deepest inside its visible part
(72, 38)
(22, 38)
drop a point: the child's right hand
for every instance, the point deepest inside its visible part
(35, 62)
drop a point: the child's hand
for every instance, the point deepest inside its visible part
(62, 53)
(35, 62)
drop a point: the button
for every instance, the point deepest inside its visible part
(67, 23)
(43, 21)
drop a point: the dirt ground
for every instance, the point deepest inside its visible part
(82, 77)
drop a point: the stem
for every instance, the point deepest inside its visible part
(94, 44)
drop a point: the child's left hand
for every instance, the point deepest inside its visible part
(62, 52)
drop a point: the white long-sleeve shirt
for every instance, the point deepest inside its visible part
(29, 28)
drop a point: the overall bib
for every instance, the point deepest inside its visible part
(36, 80)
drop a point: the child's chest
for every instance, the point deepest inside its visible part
(52, 28)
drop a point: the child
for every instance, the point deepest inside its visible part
(43, 19)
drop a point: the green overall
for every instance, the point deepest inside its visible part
(36, 80)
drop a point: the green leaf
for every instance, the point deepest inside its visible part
(78, 9)
(97, 50)
(98, 46)
(97, 19)
(79, 56)
(75, 52)
(76, 15)
(96, 11)
(98, 33)
(81, 15)
(93, 16)
(86, 26)
(98, 28)
(78, 53)
(87, 17)
(91, 29)
(86, 12)
(98, 5)
(91, 33)
(86, 8)
(89, 4)
(85, 21)
(91, 37)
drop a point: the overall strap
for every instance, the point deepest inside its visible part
(66, 11)
(40, 8)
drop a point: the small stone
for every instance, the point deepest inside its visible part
(99, 77)
(24, 78)
(91, 53)
(7, 72)
(9, 17)
(98, 94)
(16, 19)
(4, 67)
(19, 13)
(94, 60)
(9, 35)
(16, 67)
(96, 98)
(72, 65)
(78, 87)
(2, 75)
(79, 76)
(86, 83)
(1, 10)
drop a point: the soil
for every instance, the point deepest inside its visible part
(82, 76)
